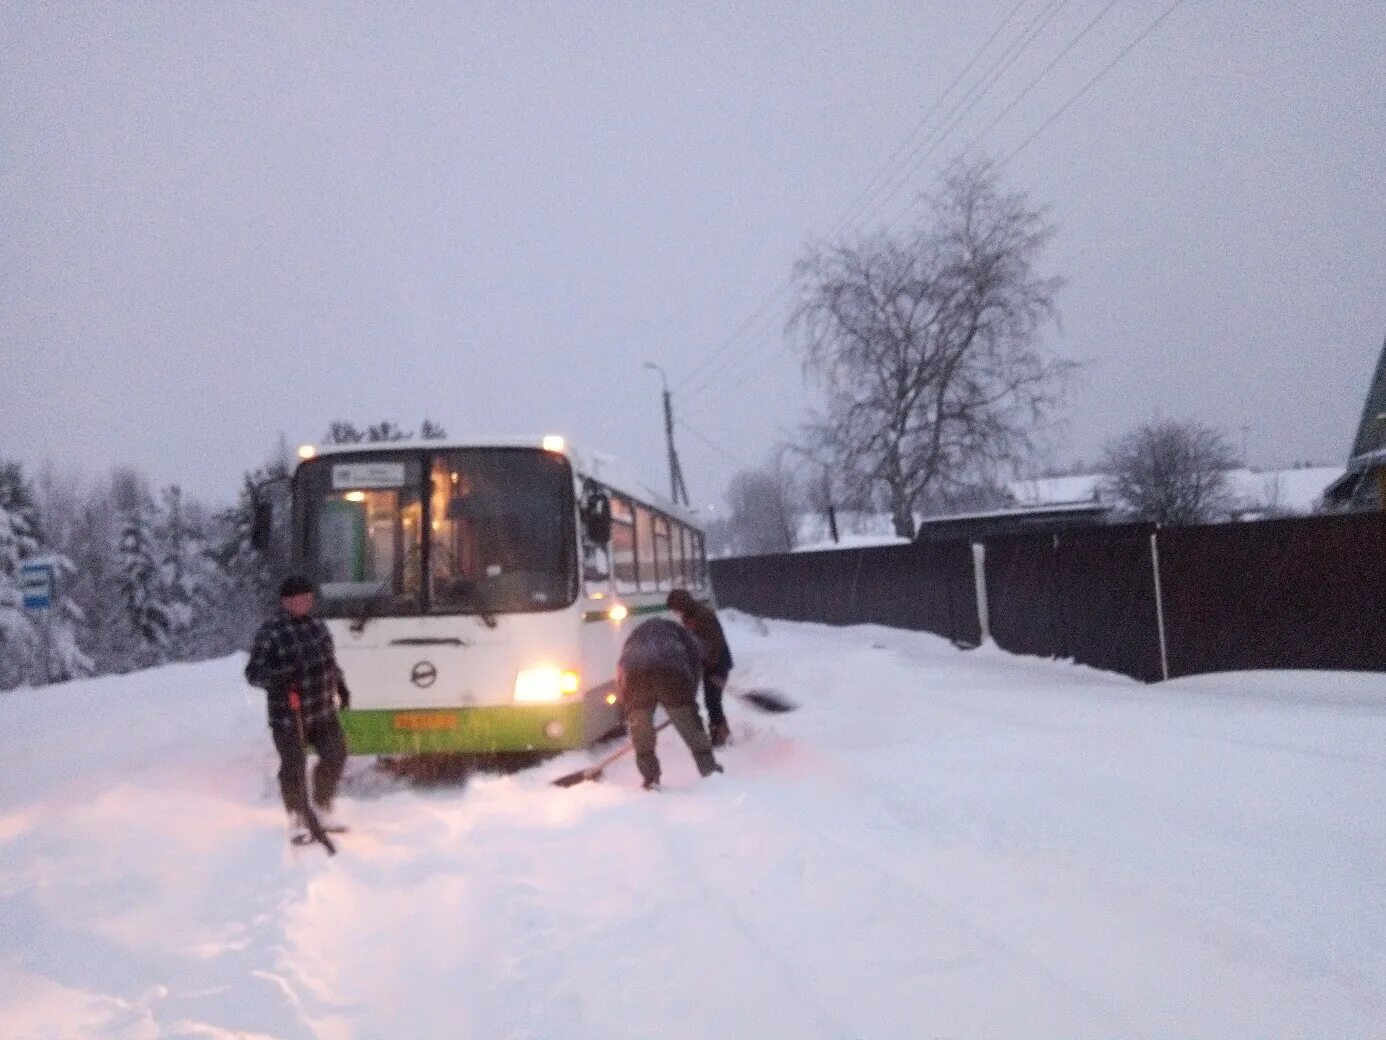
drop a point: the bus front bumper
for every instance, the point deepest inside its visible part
(493, 728)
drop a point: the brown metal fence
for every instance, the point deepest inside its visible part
(927, 588)
(1300, 593)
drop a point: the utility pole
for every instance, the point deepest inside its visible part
(677, 490)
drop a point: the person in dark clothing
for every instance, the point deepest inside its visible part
(660, 664)
(293, 657)
(701, 620)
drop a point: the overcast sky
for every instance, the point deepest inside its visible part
(224, 221)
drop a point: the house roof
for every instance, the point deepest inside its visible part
(1371, 431)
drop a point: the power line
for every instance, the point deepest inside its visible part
(1043, 72)
(919, 127)
(726, 453)
(916, 157)
(998, 68)
(979, 90)
(1039, 130)
(851, 216)
(1073, 42)
(727, 343)
(1102, 72)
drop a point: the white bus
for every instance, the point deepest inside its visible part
(478, 591)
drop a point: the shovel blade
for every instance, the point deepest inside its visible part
(769, 700)
(573, 779)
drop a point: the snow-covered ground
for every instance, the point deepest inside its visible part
(937, 844)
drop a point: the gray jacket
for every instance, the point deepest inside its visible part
(663, 645)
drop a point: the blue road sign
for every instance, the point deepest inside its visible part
(36, 585)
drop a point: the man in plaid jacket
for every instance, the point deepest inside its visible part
(293, 655)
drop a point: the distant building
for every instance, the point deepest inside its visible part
(1363, 486)
(1054, 504)
(1046, 519)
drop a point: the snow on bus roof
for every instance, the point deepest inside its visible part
(610, 470)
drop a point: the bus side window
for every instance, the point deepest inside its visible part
(623, 544)
(677, 538)
(699, 563)
(596, 559)
(663, 558)
(645, 549)
(596, 564)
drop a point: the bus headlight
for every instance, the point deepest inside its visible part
(545, 685)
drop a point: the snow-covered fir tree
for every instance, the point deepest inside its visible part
(249, 576)
(66, 658)
(190, 580)
(147, 612)
(20, 646)
(34, 648)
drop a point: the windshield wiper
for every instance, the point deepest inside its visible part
(471, 591)
(358, 623)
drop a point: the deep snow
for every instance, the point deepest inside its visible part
(937, 844)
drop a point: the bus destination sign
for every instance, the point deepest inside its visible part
(353, 476)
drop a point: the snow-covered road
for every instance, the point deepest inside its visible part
(938, 844)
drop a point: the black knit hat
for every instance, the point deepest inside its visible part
(295, 585)
(681, 602)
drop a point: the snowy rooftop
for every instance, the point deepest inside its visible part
(1296, 490)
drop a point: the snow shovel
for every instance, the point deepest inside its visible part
(310, 818)
(771, 701)
(595, 772)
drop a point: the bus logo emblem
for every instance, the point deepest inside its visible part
(423, 674)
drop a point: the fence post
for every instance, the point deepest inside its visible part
(979, 578)
(1159, 601)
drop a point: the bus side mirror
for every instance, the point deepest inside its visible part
(596, 517)
(261, 523)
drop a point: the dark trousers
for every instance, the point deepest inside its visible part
(642, 692)
(714, 683)
(325, 737)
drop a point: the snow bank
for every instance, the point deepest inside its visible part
(938, 843)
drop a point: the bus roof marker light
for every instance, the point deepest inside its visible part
(306, 451)
(553, 442)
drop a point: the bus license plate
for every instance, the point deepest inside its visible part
(424, 721)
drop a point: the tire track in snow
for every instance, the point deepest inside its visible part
(1030, 963)
(791, 979)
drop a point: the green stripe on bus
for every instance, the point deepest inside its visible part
(649, 608)
(501, 727)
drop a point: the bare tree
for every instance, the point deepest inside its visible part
(339, 431)
(764, 513)
(386, 432)
(1171, 472)
(927, 346)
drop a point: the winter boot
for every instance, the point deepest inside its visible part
(719, 733)
(329, 821)
(650, 785)
(298, 830)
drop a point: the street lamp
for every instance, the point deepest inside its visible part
(662, 377)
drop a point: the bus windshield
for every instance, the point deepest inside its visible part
(499, 525)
